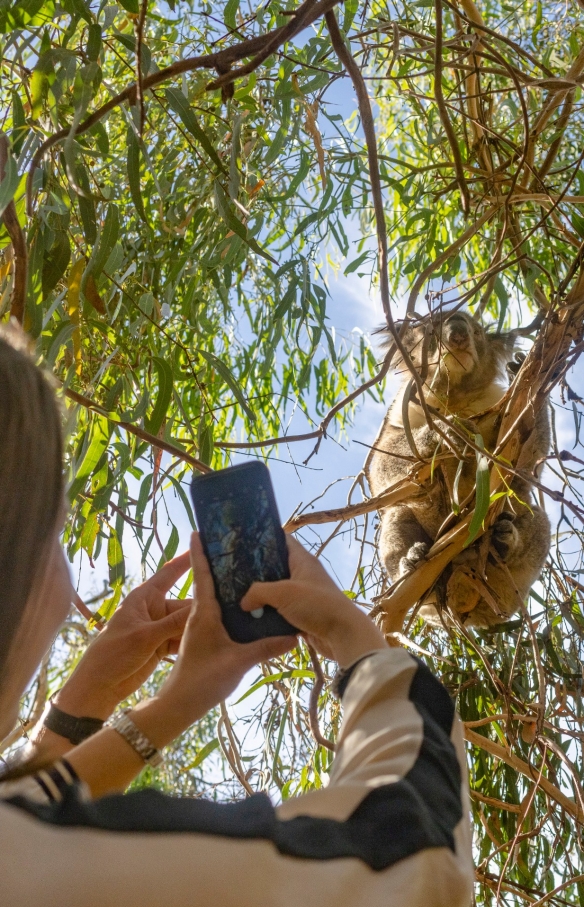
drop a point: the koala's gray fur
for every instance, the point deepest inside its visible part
(465, 367)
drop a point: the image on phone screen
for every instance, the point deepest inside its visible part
(242, 545)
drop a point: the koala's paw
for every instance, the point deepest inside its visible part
(415, 555)
(504, 535)
(514, 366)
(464, 427)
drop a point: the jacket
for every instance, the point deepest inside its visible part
(391, 829)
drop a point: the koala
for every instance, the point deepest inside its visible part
(462, 369)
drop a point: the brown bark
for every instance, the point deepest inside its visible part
(16, 234)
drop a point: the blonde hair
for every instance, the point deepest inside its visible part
(31, 479)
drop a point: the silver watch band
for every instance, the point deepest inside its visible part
(126, 728)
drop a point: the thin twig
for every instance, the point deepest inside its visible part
(444, 115)
(140, 22)
(317, 689)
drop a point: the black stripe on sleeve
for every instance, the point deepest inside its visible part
(69, 772)
(44, 787)
(392, 822)
(63, 775)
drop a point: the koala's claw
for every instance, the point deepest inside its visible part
(514, 366)
(415, 555)
(504, 535)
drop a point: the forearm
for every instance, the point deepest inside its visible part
(107, 763)
(354, 638)
(44, 744)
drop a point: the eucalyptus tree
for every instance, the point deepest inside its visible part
(174, 177)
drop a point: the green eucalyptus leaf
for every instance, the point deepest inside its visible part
(134, 172)
(98, 442)
(483, 499)
(9, 184)
(107, 238)
(86, 204)
(180, 105)
(165, 384)
(229, 379)
(55, 262)
(230, 12)
(132, 6)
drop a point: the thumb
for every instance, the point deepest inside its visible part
(278, 594)
(269, 647)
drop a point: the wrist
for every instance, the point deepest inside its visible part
(162, 720)
(355, 637)
(80, 703)
(74, 729)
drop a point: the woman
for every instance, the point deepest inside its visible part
(392, 826)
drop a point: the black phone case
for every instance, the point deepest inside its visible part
(244, 542)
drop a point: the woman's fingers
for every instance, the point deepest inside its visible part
(170, 627)
(165, 578)
(296, 551)
(278, 594)
(201, 572)
(175, 604)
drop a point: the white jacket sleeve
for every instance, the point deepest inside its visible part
(390, 830)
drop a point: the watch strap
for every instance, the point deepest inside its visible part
(76, 730)
(139, 742)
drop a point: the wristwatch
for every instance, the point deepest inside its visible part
(76, 730)
(139, 742)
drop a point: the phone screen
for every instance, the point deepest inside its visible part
(244, 543)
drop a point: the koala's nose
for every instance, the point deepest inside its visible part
(457, 335)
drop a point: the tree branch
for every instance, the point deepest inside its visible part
(153, 440)
(313, 702)
(16, 234)
(220, 60)
(405, 488)
(444, 116)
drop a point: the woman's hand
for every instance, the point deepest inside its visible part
(311, 601)
(209, 666)
(145, 628)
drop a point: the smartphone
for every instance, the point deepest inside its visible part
(244, 543)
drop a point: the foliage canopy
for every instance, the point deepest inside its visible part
(174, 178)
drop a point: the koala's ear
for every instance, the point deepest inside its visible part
(387, 336)
(409, 338)
(502, 345)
